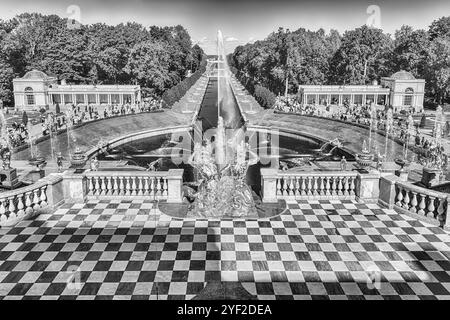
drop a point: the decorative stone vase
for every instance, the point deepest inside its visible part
(364, 159)
(403, 172)
(430, 176)
(38, 162)
(78, 159)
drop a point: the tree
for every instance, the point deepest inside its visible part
(24, 118)
(438, 68)
(410, 50)
(362, 56)
(439, 28)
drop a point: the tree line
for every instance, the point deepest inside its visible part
(359, 56)
(157, 58)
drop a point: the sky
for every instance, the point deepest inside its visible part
(241, 21)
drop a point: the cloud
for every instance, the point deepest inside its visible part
(230, 39)
(203, 40)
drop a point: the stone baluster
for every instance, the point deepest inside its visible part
(3, 210)
(43, 196)
(346, 187)
(352, 186)
(90, 186)
(121, 190)
(321, 186)
(333, 186)
(146, 186)
(414, 202)
(339, 186)
(115, 186)
(108, 185)
(96, 185)
(20, 205)
(431, 207)
(278, 187)
(134, 190)
(303, 187)
(440, 211)
(296, 187)
(128, 186)
(158, 186)
(399, 196)
(164, 187)
(327, 187)
(11, 208)
(28, 203)
(422, 204)
(309, 186)
(140, 186)
(36, 205)
(406, 200)
(288, 191)
(315, 186)
(152, 186)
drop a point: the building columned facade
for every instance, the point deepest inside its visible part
(401, 91)
(36, 90)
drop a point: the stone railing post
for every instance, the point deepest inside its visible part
(447, 215)
(74, 185)
(174, 186)
(387, 191)
(55, 190)
(269, 184)
(367, 186)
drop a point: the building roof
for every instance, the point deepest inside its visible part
(35, 74)
(403, 75)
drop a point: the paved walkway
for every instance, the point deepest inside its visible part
(316, 250)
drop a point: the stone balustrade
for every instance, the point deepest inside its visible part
(431, 206)
(22, 203)
(308, 185)
(155, 185)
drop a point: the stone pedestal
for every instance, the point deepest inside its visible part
(269, 184)
(430, 177)
(9, 178)
(174, 185)
(402, 174)
(74, 186)
(367, 186)
(37, 174)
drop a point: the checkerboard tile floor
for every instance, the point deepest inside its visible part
(315, 250)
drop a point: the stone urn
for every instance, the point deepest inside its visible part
(430, 176)
(364, 159)
(403, 172)
(78, 159)
(38, 162)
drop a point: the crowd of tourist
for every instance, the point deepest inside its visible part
(18, 133)
(428, 148)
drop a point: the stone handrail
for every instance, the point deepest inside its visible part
(22, 203)
(154, 185)
(308, 185)
(431, 206)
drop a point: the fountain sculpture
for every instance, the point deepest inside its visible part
(8, 174)
(221, 168)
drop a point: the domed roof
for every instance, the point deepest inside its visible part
(35, 74)
(403, 75)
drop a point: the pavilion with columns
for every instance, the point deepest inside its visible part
(402, 91)
(36, 90)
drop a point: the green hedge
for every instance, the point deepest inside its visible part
(175, 93)
(264, 96)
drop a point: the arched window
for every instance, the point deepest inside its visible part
(408, 97)
(29, 96)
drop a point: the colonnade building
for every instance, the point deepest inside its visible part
(36, 90)
(401, 91)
